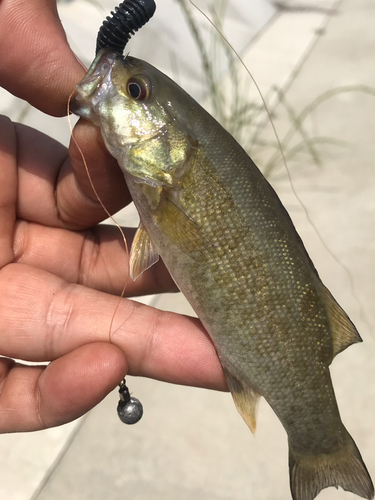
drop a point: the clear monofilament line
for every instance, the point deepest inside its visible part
(101, 204)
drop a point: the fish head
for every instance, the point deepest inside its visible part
(131, 101)
(120, 92)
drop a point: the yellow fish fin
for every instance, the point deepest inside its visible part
(344, 467)
(344, 333)
(246, 399)
(143, 254)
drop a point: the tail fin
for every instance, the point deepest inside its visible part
(345, 468)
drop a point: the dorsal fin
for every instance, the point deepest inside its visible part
(343, 331)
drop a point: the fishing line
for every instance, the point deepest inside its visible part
(116, 30)
(100, 202)
(129, 409)
(308, 218)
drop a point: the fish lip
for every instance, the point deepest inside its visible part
(93, 85)
(87, 95)
(81, 105)
(74, 105)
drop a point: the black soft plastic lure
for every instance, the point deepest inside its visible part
(117, 28)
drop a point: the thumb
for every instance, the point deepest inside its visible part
(36, 62)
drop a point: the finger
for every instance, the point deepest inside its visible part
(8, 191)
(96, 258)
(55, 191)
(36, 62)
(34, 397)
(87, 257)
(42, 318)
(96, 173)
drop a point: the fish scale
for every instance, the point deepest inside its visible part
(232, 249)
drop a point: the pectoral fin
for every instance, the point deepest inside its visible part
(143, 254)
(344, 333)
(246, 400)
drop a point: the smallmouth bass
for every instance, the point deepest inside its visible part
(233, 251)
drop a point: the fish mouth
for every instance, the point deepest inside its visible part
(85, 97)
(74, 104)
(80, 105)
(92, 89)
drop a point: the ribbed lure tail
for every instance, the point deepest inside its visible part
(345, 468)
(128, 18)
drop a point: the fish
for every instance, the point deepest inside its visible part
(231, 247)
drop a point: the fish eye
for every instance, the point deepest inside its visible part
(138, 88)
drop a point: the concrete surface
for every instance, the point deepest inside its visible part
(191, 443)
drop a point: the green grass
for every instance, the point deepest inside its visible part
(244, 118)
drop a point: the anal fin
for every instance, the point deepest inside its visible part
(143, 254)
(246, 399)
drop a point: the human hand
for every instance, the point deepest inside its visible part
(56, 265)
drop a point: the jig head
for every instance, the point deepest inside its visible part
(129, 409)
